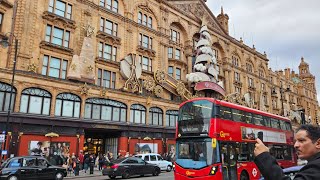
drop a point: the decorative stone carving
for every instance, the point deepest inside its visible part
(103, 92)
(160, 77)
(58, 20)
(32, 67)
(158, 90)
(149, 83)
(84, 89)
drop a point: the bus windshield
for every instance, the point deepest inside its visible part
(194, 117)
(197, 153)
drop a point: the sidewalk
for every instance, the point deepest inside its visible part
(96, 172)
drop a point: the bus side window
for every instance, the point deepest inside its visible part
(267, 121)
(248, 118)
(221, 112)
(236, 114)
(283, 125)
(258, 120)
(275, 123)
(288, 126)
(227, 113)
(243, 154)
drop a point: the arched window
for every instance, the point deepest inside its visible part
(249, 67)
(150, 22)
(140, 18)
(5, 90)
(105, 109)
(171, 118)
(36, 101)
(68, 105)
(155, 116)
(115, 6)
(137, 114)
(235, 61)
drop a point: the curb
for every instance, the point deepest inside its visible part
(78, 177)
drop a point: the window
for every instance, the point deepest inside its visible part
(175, 36)
(57, 36)
(236, 76)
(112, 5)
(171, 118)
(178, 73)
(177, 54)
(108, 27)
(238, 89)
(150, 22)
(137, 114)
(155, 116)
(225, 113)
(170, 52)
(5, 90)
(67, 105)
(250, 81)
(261, 73)
(170, 71)
(60, 8)
(1, 19)
(215, 53)
(15, 163)
(36, 101)
(146, 63)
(235, 61)
(105, 109)
(140, 18)
(54, 67)
(237, 115)
(107, 52)
(263, 87)
(258, 120)
(145, 41)
(249, 67)
(42, 162)
(106, 79)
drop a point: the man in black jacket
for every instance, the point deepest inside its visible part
(307, 146)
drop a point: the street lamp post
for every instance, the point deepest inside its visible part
(5, 43)
(281, 96)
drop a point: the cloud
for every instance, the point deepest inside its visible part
(286, 29)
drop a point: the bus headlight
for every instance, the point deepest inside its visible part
(214, 170)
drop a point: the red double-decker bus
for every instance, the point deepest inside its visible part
(215, 140)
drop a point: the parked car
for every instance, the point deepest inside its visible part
(130, 166)
(30, 167)
(290, 172)
(154, 158)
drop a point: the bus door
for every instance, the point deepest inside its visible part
(229, 160)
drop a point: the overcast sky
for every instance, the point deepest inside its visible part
(286, 29)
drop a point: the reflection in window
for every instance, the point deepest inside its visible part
(68, 105)
(105, 109)
(57, 36)
(138, 114)
(155, 116)
(5, 90)
(112, 5)
(36, 101)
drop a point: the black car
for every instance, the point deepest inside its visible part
(30, 167)
(130, 166)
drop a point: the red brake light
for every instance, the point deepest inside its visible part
(115, 166)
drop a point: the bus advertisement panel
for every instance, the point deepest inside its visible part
(215, 140)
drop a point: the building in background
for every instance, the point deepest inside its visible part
(108, 75)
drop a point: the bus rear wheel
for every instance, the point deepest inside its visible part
(244, 176)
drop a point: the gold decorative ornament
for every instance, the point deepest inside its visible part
(149, 83)
(32, 67)
(103, 92)
(148, 100)
(89, 69)
(160, 76)
(84, 89)
(181, 88)
(73, 67)
(158, 90)
(89, 30)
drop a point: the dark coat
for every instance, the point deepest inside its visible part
(270, 169)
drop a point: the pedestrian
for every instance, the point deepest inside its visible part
(307, 146)
(81, 159)
(86, 163)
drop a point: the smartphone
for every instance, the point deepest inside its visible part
(260, 135)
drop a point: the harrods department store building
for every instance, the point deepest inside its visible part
(102, 75)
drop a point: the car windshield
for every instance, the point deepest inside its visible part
(196, 153)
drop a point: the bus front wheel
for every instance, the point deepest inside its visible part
(244, 176)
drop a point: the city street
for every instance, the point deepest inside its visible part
(163, 176)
